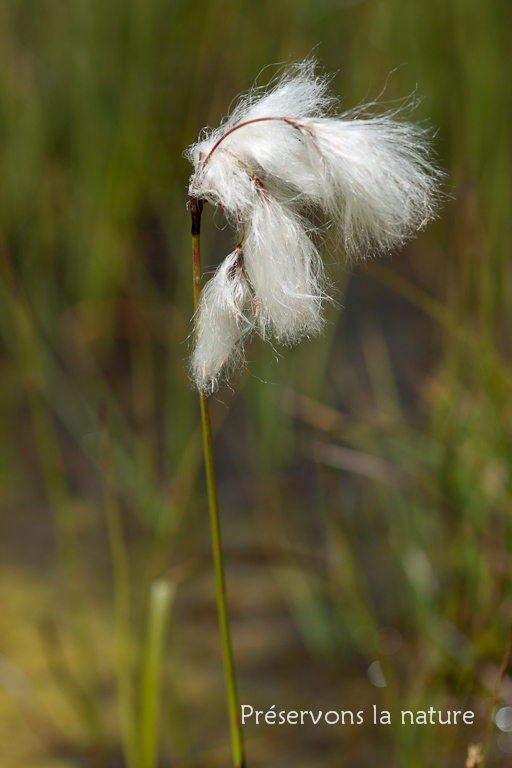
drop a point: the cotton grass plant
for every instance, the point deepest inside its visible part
(282, 162)
(284, 168)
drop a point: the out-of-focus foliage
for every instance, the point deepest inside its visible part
(364, 478)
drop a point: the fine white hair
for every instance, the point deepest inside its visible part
(280, 161)
(285, 272)
(221, 323)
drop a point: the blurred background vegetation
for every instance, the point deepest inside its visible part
(364, 477)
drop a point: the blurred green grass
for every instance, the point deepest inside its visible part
(407, 527)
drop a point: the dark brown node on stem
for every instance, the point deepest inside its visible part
(196, 209)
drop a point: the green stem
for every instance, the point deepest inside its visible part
(161, 596)
(122, 606)
(237, 743)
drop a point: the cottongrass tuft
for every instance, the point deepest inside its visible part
(222, 322)
(280, 161)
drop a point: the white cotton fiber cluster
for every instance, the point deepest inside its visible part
(379, 183)
(221, 323)
(281, 160)
(285, 272)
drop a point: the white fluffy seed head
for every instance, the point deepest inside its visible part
(223, 320)
(280, 160)
(379, 183)
(285, 272)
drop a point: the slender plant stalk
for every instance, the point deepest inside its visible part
(237, 744)
(160, 603)
(122, 606)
